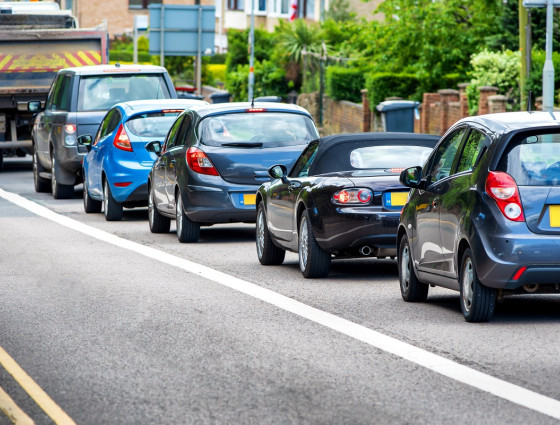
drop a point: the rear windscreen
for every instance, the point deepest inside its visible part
(153, 124)
(257, 130)
(389, 156)
(533, 160)
(101, 92)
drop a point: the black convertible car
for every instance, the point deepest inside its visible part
(342, 197)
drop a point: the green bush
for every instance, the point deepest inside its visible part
(270, 80)
(534, 80)
(344, 83)
(238, 47)
(386, 84)
(499, 69)
(127, 56)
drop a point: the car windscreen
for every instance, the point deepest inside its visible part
(533, 160)
(378, 158)
(101, 92)
(152, 124)
(257, 130)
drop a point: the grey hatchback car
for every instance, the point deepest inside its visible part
(483, 215)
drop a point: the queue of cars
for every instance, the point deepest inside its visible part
(479, 213)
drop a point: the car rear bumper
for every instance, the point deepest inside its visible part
(357, 227)
(136, 174)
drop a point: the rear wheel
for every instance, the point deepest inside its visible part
(1, 159)
(59, 190)
(112, 209)
(187, 230)
(90, 205)
(313, 260)
(41, 184)
(158, 223)
(268, 253)
(477, 301)
(412, 290)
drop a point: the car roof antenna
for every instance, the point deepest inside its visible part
(529, 101)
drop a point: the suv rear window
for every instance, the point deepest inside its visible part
(533, 160)
(257, 130)
(101, 92)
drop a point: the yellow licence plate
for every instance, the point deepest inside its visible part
(554, 214)
(398, 198)
(249, 199)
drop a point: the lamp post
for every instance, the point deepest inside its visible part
(251, 53)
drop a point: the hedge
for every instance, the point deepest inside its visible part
(127, 56)
(386, 84)
(344, 83)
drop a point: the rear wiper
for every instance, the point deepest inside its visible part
(243, 145)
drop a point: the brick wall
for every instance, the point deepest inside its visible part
(342, 117)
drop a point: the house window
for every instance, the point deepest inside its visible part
(141, 4)
(236, 4)
(284, 7)
(306, 9)
(261, 6)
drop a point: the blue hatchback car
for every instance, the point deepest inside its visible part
(483, 216)
(116, 169)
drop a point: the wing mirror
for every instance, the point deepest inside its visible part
(278, 172)
(154, 147)
(34, 106)
(412, 177)
(85, 140)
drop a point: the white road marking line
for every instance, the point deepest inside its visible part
(12, 410)
(453, 370)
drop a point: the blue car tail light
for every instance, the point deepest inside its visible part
(352, 197)
(502, 188)
(122, 141)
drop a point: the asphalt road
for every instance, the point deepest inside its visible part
(120, 333)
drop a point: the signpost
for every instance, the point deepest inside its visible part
(548, 69)
(140, 24)
(178, 30)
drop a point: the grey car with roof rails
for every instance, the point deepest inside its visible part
(78, 100)
(483, 215)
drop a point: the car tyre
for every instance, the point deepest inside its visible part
(158, 223)
(90, 205)
(268, 253)
(42, 185)
(412, 290)
(59, 190)
(477, 301)
(112, 210)
(188, 231)
(313, 260)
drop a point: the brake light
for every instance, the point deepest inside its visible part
(396, 170)
(70, 128)
(519, 273)
(121, 140)
(200, 163)
(352, 196)
(502, 188)
(171, 111)
(255, 110)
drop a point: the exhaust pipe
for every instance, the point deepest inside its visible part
(365, 250)
(531, 288)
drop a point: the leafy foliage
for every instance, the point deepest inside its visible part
(270, 80)
(385, 84)
(238, 47)
(344, 83)
(534, 80)
(500, 69)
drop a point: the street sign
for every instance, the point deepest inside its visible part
(182, 28)
(540, 3)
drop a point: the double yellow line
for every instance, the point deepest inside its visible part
(13, 412)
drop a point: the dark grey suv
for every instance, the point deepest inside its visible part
(483, 215)
(78, 100)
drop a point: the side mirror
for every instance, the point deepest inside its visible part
(278, 172)
(412, 177)
(85, 140)
(154, 147)
(34, 106)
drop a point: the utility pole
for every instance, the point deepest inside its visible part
(252, 54)
(525, 52)
(548, 70)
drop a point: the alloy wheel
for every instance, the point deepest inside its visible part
(467, 282)
(405, 269)
(260, 234)
(303, 245)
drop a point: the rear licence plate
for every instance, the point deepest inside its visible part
(554, 214)
(396, 199)
(247, 199)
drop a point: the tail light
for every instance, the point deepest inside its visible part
(121, 140)
(70, 135)
(352, 197)
(200, 163)
(502, 188)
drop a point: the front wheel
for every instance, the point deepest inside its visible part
(188, 231)
(412, 290)
(90, 205)
(477, 301)
(112, 209)
(268, 253)
(41, 184)
(313, 260)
